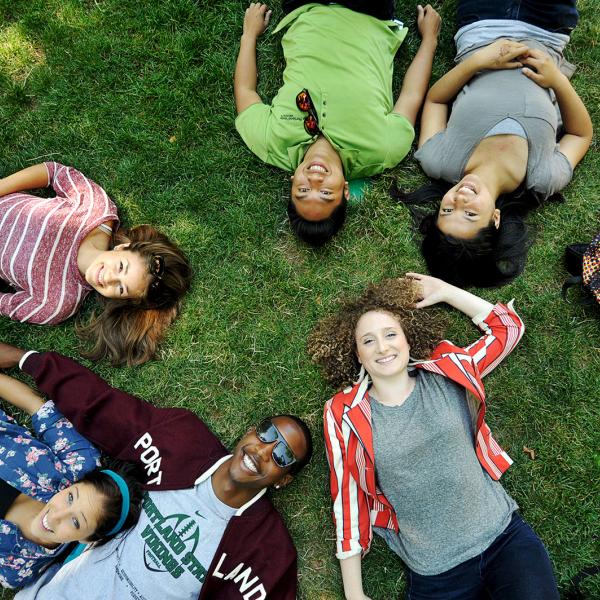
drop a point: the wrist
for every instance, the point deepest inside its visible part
(429, 42)
(249, 38)
(560, 80)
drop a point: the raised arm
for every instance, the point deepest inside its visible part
(502, 54)
(502, 328)
(576, 119)
(436, 290)
(20, 395)
(256, 20)
(418, 74)
(27, 179)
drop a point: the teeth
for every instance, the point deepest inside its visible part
(249, 464)
(387, 359)
(45, 522)
(317, 168)
(466, 188)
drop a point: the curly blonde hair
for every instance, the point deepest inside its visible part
(332, 344)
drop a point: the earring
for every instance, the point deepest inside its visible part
(276, 486)
(361, 374)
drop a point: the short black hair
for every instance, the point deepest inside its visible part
(300, 464)
(317, 233)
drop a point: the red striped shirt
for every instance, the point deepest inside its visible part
(39, 242)
(358, 503)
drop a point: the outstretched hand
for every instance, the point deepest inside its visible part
(540, 68)
(428, 22)
(256, 19)
(433, 290)
(502, 54)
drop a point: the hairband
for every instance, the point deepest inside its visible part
(80, 547)
(122, 485)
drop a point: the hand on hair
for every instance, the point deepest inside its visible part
(433, 290)
(541, 68)
(256, 19)
(501, 55)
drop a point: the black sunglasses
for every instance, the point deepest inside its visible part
(282, 453)
(305, 104)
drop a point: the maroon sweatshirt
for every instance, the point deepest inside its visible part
(256, 558)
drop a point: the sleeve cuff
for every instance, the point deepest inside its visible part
(25, 357)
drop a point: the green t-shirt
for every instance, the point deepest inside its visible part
(345, 60)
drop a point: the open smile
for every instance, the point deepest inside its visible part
(316, 167)
(387, 359)
(249, 463)
(45, 524)
(99, 276)
(468, 188)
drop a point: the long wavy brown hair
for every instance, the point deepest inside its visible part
(129, 331)
(332, 344)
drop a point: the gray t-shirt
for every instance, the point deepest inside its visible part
(448, 508)
(487, 99)
(164, 557)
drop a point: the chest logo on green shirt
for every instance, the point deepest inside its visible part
(289, 117)
(171, 542)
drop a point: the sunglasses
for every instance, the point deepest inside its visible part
(305, 104)
(282, 453)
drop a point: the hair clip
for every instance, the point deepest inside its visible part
(158, 269)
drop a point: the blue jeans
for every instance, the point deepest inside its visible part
(558, 16)
(515, 567)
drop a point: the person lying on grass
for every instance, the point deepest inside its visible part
(495, 155)
(55, 251)
(207, 529)
(334, 118)
(52, 491)
(409, 452)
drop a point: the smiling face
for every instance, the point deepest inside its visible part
(318, 183)
(71, 515)
(381, 345)
(119, 273)
(467, 208)
(252, 465)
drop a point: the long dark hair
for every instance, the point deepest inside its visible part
(107, 488)
(492, 258)
(129, 331)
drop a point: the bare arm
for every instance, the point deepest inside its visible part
(20, 395)
(27, 179)
(499, 55)
(435, 290)
(576, 119)
(352, 578)
(256, 21)
(418, 74)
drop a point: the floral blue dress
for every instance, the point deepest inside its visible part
(39, 467)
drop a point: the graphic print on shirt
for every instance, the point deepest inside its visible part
(171, 542)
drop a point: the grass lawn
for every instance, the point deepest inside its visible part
(138, 95)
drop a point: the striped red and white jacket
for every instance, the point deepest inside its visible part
(358, 503)
(39, 243)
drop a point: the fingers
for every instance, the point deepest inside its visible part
(532, 75)
(420, 13)
(268, 17)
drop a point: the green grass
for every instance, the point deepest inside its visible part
(138, 95)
